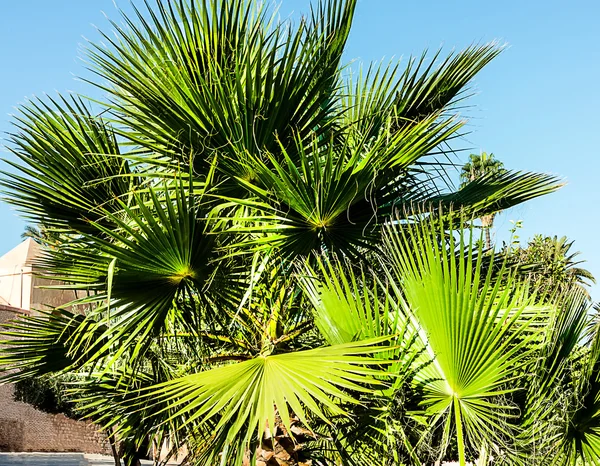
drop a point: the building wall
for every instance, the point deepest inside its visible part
(15, 286)
(49, 298)
(24, 428)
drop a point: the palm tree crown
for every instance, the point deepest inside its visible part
(553, 266)
(480, 166)
(270, 263)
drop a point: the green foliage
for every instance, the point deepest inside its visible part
(480, 166)
(477, 331)
(48, 394)
(485, 167)
(552, 266)
(267, 263)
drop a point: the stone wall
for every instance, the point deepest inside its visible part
(24, 428)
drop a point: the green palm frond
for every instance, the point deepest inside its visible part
(548, 380)
(247, 398)
(474, 329)
(349, 307)
(494, 192)
(346, 307)
(156, 269)
(569, 328)
(40, 345)
(337, 196)
(209, 76)
(580, 442)
(425, 91)
(69, 172)
(426, 87)
(102, 398)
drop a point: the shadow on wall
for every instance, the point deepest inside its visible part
(12, 435)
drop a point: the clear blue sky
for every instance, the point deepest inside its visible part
(537, 107)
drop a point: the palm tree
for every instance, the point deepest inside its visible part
(552, 266)
(483, 166)
(467, 335)
(32, 232)
(234, 151)
(41, 235)
(464, 349)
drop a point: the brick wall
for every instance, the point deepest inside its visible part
(24, 428)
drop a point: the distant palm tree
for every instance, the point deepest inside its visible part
(40, 234)
(482, 166)
(31, 232)
(555, 267)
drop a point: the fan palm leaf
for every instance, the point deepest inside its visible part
(245, 399)
(158, 268)
(475, 330)
(210, 76)
(38, 345)
(545, 403)
(69, 172)
(347, 307)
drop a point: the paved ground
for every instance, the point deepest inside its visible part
(56, 459)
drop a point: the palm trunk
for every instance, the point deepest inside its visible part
(284, 448)
(131, 454)
(488, 239)
(487, 222)
(113, 447)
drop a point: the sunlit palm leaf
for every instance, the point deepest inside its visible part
(549, 378)
(347, 308)
(471, 327)
(336, 196)
(210, 75)
(495, 192)
(581, 439)
(247, 398)
(426, 87)
(158, 266)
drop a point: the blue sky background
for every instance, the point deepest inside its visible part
(537, 106)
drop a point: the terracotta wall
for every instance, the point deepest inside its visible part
(23, 428)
